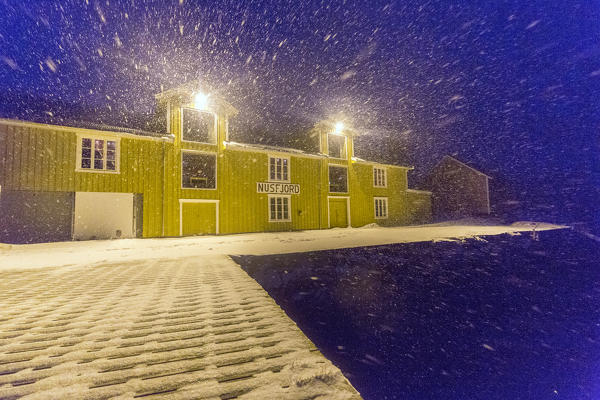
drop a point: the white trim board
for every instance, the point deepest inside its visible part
(347, 209)
(183, 201)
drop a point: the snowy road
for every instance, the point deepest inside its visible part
(172, 318)
(103, 251)
(184, 328)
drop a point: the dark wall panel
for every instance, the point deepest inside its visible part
(32, 217)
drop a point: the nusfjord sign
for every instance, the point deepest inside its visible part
(277, 188)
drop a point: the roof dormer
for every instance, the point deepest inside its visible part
(196, 114)
(336, 139)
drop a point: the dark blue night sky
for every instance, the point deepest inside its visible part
(510, 87)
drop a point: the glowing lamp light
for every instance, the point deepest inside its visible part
(339, 127)
(200, 101)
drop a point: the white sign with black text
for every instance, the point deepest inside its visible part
(277, 188)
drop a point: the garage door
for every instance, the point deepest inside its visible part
(198, 218)
(338, 212)
(100, 215)
(31, 217)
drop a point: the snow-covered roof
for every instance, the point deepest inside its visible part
(417, 191)
(464, 165)
(78, 126)
(360, 160)
(270, 149)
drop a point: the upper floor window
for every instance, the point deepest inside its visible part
(381, 207)
(336, 145)
(338, 179)
(198, 170)
(98, 154)
(379, 177)
(198, 126)
(279, 169)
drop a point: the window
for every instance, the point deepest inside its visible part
(198, 126)
(338, 179)
(279, 209)
(381, 207)
(198, 170)
(98, 154)
(279, 169)
(379, 177)
(336, 144)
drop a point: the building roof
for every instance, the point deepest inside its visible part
(450, 158)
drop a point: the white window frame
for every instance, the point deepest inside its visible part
(329, 179)
(94, 137)
(345, 146)
(275, 157)
(289, 203)
(181, 168)
(383, 200)
(202, 111)
(376, 177)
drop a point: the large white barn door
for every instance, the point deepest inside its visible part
(103, 215)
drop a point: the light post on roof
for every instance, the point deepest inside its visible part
(201, 101)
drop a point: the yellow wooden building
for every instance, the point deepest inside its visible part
(63, 183)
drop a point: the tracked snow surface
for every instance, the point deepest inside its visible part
(169, 318)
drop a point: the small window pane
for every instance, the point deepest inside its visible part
(111, 165)
(86, 153)
(111, 145)
(98, 164)
(273, 211)
(86, 142)
(285, 208)
(272, 168)
(98, 154)
(110, 155)
(279, 208)
(86, 163)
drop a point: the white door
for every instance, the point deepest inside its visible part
(100, 215)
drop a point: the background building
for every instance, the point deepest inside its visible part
(458, 190)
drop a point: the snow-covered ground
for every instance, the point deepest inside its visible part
(170, 317)
(64, 254)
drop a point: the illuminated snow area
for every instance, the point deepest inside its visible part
(103, 251)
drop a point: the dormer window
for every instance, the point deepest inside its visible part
(336, 145)
(199, 126)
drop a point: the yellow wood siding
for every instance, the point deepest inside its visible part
(43, 159)
(38, 157)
